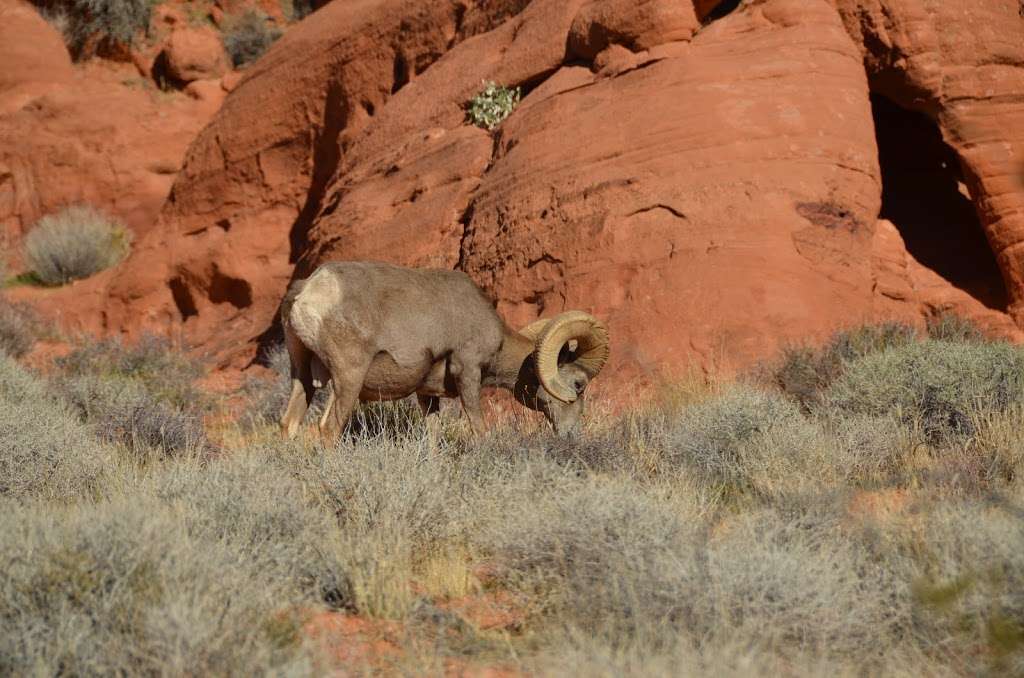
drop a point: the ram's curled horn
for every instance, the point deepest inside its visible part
(591, 352)
(534, 329)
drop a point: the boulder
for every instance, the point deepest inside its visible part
(634, 24)
(33, 55)
(195, 54)
(94, 133)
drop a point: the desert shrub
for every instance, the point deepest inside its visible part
(492, 105)
(870, 448)
(98, 25)
(708, 438)
(123, 411)
(75, 243)
(634, 566)
(297, 10)
(391, 498)
(804, 372)
(952, 327)
(164, 373)
(606, 555)
(259, 504)
(19, 328)
(266, 398)
(247, 36)
(964, 561)
(939, 384)
(45, 453)
(144, 585)
(797, 580)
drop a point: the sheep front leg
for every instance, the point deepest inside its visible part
(469, 394)
(430, 405)
(336, 418)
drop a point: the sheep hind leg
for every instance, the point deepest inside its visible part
(300, 358)
(346, 384)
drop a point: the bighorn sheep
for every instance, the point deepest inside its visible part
(383, 332)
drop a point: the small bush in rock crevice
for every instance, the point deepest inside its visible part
(492, 105)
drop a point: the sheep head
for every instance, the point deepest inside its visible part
(569, 351)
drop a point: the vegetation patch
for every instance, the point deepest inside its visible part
(75, 243)
(248, 35)
(804, 372)
(492, 105)
(19, 328)
(98, 26)
(45, 451)
(142, 396)
(726, 527)
(942, 385)
(164, 372)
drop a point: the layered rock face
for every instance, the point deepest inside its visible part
(962, 65)
(706, 177)
(96, 133)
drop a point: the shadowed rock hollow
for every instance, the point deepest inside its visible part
(704, 176)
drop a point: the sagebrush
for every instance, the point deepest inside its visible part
(75, 243)
(98, 26)
(142, 395)
(247, 36)
(19, 328)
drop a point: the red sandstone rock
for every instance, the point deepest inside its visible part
(33, 56)
(254, 178)
(106, 137)
(694, 216)
(962, 64)
(711, 191)
(95, 133)
(635, 24)
(195, 54)
(209, 91)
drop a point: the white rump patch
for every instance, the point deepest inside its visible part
(321, 293)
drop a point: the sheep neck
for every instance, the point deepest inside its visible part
(504, 372)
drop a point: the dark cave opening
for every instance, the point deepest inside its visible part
(925, 197)
(713, 10)
(183, 298)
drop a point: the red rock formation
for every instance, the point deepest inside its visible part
(961, 64)
(253, 180)
(708, 181)
(195, 54)
(96, 132)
